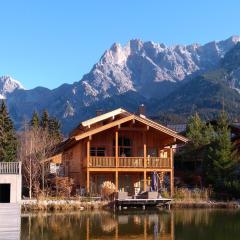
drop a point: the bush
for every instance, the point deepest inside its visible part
(107, 188)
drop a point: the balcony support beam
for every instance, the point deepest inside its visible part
(144, 181)
(88, 159)
(172, 172)
(116, 148)
(116, 181)
(145, 149)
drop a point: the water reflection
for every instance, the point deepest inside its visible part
(99, 225)
(155, 224)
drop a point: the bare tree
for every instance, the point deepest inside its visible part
(35, 145)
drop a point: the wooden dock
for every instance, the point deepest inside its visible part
(143, 203)
(10, 221)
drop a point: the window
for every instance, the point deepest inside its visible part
(152, 152)
(124, 147)
(94, 151)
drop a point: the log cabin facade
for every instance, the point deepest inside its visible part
(120, 147)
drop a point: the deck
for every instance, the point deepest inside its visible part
(143, 203)
(10, 221)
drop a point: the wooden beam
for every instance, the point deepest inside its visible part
(144, 181)
(88, 160)
(126, 169)
(133, 129)
(116, 180)
(88, 181)
(104, 127)
(116, 148)
(88, 152)
(172, 171)
(171, 183)
(145, 149)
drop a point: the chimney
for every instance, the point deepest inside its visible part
(141, 110)
(99, 112)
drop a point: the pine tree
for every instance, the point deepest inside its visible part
(35, 120)
(45, 120)
(194, 130)
(54, 129)
(199, 132)
(222, 154)
(8, 141)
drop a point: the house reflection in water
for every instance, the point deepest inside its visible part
(100, 225)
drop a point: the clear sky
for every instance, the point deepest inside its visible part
(50, 42)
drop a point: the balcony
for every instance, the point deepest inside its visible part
(129, 162)
(10, 168)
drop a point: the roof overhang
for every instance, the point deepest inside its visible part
(104, 116)
(146, 121)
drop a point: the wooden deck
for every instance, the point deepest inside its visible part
(10, 221)
(144, 203)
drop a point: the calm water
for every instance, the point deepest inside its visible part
(155, 224)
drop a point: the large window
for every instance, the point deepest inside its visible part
(97, 151)
(124, 147)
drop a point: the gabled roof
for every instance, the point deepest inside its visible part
(105, 116)
(127, 117)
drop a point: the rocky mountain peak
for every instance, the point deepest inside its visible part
(8, 85)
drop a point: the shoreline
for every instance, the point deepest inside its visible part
(205, 204)
(67, 205)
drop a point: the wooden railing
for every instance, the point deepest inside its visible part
(10, 168)
(133, 162)
(156, 162)
(129, 162)
(102, 162)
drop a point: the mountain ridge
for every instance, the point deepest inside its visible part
(126, 75)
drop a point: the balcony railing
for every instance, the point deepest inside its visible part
(10, 168)
(135, 162)
(129, 162)
(102, 162)
(156, 162)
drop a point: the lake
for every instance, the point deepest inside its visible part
(130, 224)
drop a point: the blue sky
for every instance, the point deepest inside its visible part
(51, 42)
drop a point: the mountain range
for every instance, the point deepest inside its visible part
(172, 81)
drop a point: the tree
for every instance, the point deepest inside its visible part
(45, 120)
(199, 132)
(35, 120)
(54, 129)
(222, 154)
(35, 145)
(8, 141)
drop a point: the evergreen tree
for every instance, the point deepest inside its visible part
(222, 154)
(35, 120)
(8, 141)
(54, 129)
(199, 132)
(45, 120)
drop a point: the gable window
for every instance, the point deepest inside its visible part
(97, 151)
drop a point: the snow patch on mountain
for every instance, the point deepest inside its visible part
(8, 85)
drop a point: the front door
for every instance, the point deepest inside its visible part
(5, 193)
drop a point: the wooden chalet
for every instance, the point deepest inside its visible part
(120, 147)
